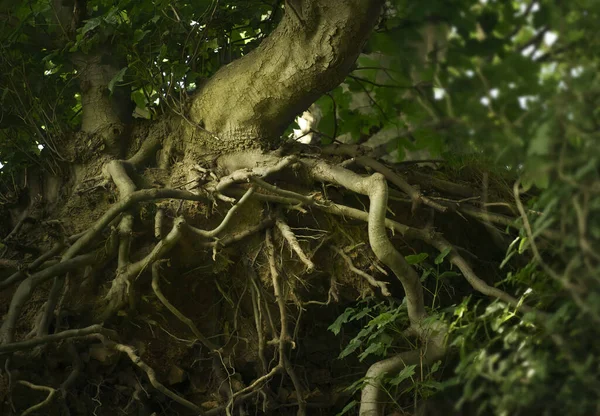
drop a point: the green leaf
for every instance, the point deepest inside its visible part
(117, 78)
(440, 257)
(91, 24)
(374, 348)
(416, 258)
(383, 319)
(541, 142)
(350, 348)
(448, 273)
(347, 408)
(406, 373)
(139, 98)
(138, 35)
(336, 327)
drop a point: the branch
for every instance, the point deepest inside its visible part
(123, 279)
(125, 204)
(284, 338)
(372, 397)
(233, 238)
(244, 175)
(416, 196)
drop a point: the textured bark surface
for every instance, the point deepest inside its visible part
(249, 102)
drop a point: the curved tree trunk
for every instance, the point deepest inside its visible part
(249, 102)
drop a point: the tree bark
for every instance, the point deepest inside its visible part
(249, 103)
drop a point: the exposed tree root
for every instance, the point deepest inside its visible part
(155, 286)
(40, 340)
(370, 279)
(289, 236)
(130, 351)
(46, 402)
(244, 179)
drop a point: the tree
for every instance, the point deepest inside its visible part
(168, 249)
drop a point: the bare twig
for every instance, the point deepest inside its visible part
(375, 187)
(283, 192)
(233, 238)
(416, 196)
(159, 219)
(125, 204)
(244, 175)
(121, 282)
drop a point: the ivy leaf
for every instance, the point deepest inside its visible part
(139, 99)
(440, 258)
(91, 24)
(117, 78)
(336, 327)
(375, 348)
(406, 373)
(347, 408)
(416, 258)
(138, 35)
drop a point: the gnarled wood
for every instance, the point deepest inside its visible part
(310, 52)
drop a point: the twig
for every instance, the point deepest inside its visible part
(233, 238)
(244, 175)
(572, 290)
(159, 219)
(125, 204)
(283, 192)
(124, 277)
